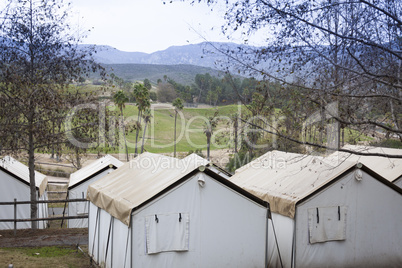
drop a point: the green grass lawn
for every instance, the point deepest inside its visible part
(190, 129)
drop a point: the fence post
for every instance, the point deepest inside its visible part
(15, 216)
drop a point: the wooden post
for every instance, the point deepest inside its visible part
(64, 210)
(15, 216)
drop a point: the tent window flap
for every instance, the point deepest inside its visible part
(167, 232)
(327, 224)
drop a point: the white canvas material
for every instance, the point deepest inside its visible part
(327, 224)
(165, 212)
(167, 232)
(78, 186)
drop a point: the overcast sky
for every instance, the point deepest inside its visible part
(147, 25)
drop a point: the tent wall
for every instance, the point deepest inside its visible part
(81, 208)
(98, 235)
(11, 188)
(225, 228)
(120, 254)
(398, 182)
(106, 232)
(43, 211)
(281, 239)
(93, 218)
(368, 217)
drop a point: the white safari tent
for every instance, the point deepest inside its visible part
(78, 184)
(389, 168)
(158, 211)
(14, 183)
(326, 216)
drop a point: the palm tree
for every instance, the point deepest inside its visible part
(120, 100)
(209, 129)
(141, 94)
(178, 106)
(147, 118)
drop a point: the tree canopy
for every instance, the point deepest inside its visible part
(39, 60)
(324, 52)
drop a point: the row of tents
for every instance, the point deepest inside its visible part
(15, 184)
(280, 210)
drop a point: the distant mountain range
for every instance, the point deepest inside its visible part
(202, 54)
(180, 63)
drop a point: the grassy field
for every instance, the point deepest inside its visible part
(44, 257)
(159, 137)
(190, 129)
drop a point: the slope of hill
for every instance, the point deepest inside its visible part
(182, 73)
(203, 54)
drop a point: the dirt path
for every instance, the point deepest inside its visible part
(43, 238)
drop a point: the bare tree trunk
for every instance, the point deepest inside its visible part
(77, 157)
(236, 125)
(143, 137)
(31, 167)
(208, 144)
(343, 136)
(137, 133)
(175, 120)
(124, 134)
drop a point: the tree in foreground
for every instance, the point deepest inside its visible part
(178, 106)
(323, 52)
(39, 59)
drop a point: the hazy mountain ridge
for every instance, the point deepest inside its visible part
(199, 58)
(181, 73)
(192, 54)
(180, 63)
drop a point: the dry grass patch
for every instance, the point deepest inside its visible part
(45, 257)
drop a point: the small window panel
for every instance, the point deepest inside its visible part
(167, 232)
(327, 224)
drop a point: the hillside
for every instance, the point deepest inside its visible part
(183, 73)
(203, 54)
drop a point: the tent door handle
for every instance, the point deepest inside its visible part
(156, 219)
(179, 217)
(318, 217)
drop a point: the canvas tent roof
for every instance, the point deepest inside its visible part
(91, 169)
(138, 181)
(21, 172)
(389, 168)
(283, 179)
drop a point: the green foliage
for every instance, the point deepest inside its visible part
(39, 61)
(178, 104)
(238, 160)
(153, 96)
(147, 84)
(183, 74)
(389, 143)
(166, 92)
(120, 99)
(196, 151)
(141, 94)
